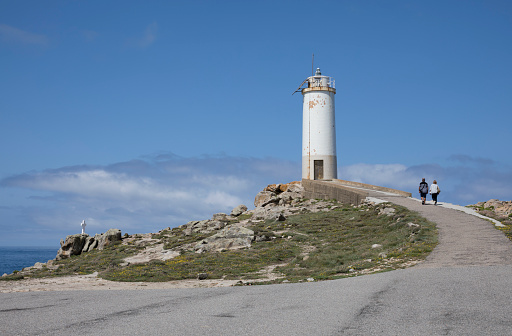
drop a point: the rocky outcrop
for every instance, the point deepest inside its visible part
(238, 210)
(501, 208)
(218, 222)
(223, 231)
(279, 194)
(494, 208)
(263, 198)
(78, 243)
(229, 238)
(90, 243)
(276, 201)
(108, 238)
(72, 245)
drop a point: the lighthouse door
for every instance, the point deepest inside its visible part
(319, 169)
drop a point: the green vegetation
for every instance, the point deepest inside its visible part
(325, 245)
(505, 220)
(14, 276)
(94, 261)
(340, 241)
(238, 264)
(177, 238)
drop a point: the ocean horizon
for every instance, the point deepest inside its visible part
(15, 258)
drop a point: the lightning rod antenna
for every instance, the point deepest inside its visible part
(312, 65)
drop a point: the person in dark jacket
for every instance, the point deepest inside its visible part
(423, 189)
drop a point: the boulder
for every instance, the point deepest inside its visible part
(263, 197)
(387, 211)
(278, 213)
(500, 208)
(78, 243)
(259, 213)
(285, 199)
(204, 226)
(194, 227)
(238, 210)
(295, 186)
(72, 245)
(214, 225)
(274, 188)
(280, 188)
(282, 194)
(414, 227)
(108, 238)
(295, 191)
(492, 203)
(220, 217)
(229, 238)
(88, 244)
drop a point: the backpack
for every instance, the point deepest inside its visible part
(424, 187)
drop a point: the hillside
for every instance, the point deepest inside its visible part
(286, 238)
(499, 210)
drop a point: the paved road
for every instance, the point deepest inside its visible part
(464, 288)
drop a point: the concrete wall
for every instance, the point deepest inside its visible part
(372, 187)
(329, 190)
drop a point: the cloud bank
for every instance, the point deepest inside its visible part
(158, 191)
(463, 179)
(142, 195)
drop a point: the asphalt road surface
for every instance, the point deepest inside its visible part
(463, 288)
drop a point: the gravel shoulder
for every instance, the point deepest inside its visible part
(92, 282)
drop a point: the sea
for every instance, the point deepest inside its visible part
(15, 258)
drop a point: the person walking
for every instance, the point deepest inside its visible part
(434, 191)
(423, 189)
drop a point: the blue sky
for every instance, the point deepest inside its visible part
(140, 116)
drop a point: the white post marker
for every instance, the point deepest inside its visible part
(83, 226)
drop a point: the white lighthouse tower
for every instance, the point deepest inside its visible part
(318, 128)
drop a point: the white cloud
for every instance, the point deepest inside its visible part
(463, 180)
(15, 35)
(144, 195)
(396, 175)
(154, 192)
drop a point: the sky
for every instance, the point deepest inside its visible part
(146, 115)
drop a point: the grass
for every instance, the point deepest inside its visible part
(235, 264)
(505, 220)
(94, 261)
(341, 241)
(323, 245)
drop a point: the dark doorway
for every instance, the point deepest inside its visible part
(319, 169)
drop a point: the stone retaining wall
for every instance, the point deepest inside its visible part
(330, 190)
(373, 187)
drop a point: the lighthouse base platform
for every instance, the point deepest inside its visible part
(345, 191)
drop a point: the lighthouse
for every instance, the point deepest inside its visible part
(318, 128)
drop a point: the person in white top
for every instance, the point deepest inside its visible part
(434, 191)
